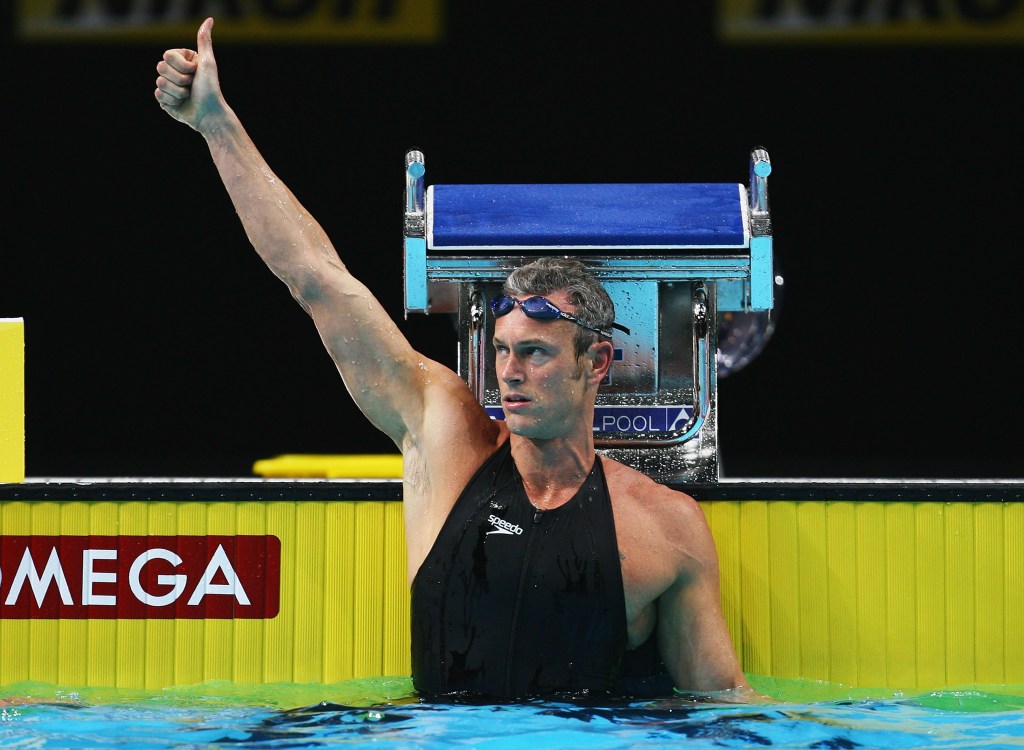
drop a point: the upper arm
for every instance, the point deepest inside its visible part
(394, 385)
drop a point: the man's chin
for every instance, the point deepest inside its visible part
(520, 424)
(527, 427)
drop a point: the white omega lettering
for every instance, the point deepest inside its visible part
(90, 576)
(52, 573)
(177, 582)
(219, 562)
(42, 577)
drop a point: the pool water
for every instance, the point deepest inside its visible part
(383, 712)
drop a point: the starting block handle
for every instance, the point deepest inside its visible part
(760, 168)
(415, 186)
(415, 234)
(762, 272)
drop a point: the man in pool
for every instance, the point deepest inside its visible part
(536, 566)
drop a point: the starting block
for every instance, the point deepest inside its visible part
(674, 257)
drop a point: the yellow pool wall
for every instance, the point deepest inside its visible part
(12, 400)
(896, 594)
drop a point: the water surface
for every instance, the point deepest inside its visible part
(384, 712)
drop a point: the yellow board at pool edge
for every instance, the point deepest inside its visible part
(886, 593)
(12, 400)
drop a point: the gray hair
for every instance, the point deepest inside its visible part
(590, 300)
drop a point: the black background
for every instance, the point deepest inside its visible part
(158, 345)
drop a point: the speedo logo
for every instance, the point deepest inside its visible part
(501, 526)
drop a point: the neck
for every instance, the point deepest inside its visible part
(552, 470)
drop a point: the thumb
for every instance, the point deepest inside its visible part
(204, 41)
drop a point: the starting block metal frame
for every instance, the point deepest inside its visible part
(673, 256)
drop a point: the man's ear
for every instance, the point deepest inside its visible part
(600, 357)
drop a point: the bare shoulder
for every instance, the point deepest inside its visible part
(643, 494)
(656, 515)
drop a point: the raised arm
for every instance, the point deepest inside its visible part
(390, 382)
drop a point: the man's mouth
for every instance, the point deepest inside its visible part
(514, 400)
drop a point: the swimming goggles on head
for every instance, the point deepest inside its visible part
(541, 308)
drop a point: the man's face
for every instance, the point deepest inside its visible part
(544, 389)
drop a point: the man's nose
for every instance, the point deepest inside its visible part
(511, 369)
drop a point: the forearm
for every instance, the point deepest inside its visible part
(694, 638)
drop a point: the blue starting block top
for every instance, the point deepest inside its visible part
(612, 217)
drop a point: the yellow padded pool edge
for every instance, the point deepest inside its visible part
(347, 466)
(12, 400)
(341, 590)
(901, 594)
(870, 594)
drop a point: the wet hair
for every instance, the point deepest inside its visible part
(590, 300)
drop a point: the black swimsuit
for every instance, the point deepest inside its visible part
(513, 601)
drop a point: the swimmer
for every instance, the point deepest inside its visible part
(537, 567)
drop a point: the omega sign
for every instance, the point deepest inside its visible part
(139, 577)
